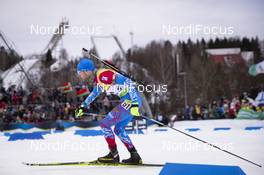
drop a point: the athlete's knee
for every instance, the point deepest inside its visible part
(118, 130)
(104, 124)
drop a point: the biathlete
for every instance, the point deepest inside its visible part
(120, 116)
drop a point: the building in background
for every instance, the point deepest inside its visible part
(231, 56)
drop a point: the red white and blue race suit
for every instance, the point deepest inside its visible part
(120, 116)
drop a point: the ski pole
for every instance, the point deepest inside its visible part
(212, 145)
(94, 114)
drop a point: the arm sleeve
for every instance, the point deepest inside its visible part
(129, 87)
(92, 96)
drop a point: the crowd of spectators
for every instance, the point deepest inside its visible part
(222, 108)
(218, 109)
(37, 105)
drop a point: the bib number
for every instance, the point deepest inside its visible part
(126, 105)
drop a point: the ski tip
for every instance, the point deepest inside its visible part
(28, 164)
(85, 50)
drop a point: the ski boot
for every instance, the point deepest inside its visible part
(111, 157)
(134, 159)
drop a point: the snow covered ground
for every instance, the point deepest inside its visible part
(15, 76)
(154, 146)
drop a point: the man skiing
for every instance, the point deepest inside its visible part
(120, 116)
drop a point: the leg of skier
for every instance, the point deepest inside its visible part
(118, 117)
(121, 133)
(105, 124)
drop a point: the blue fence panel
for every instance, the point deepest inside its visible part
(193, 129)
(221, 129)
(197, 169)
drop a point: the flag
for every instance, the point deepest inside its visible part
(82, 92)
(249, 114)
(67, 87)
(256, 69)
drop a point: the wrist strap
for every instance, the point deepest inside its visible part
(134, 105)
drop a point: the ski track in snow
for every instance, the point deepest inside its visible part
(154, 147)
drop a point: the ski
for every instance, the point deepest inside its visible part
(92, 163)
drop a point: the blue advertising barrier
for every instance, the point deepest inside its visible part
(28, 136)
(253, 128)
(53, 124)
(221, 129)
(87, 133)
(39, 134)
(23, 126)
(193, 129)
(197, 169)
(160, 130)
